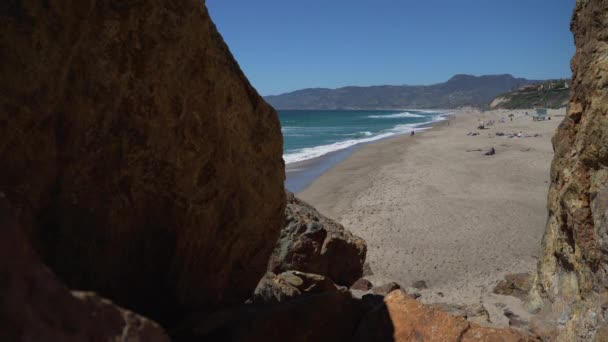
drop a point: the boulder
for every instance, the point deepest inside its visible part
(402, 318)
(312, 243)
(36, 306)
(570, 290)
(142, 163)
(278, 288)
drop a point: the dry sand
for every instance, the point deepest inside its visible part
(429, 210)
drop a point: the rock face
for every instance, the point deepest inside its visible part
(403, 318)
(141, 161)
(36, 306)
(312, 243)
(572, 280)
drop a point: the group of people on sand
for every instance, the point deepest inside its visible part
(483, 125)
(519, 134)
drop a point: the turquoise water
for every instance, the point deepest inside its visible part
(309, 134)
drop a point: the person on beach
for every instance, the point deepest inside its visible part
(412, 133)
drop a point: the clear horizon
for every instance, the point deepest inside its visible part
(283, 47)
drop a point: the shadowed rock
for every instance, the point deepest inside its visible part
(278, 288)
(143, 164)
(329, 316)
(36, 306)
(312, 243)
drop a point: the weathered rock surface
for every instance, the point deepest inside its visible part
(274, 288)
(571, 285)
(36, 306)
(385, 289)
(402, 318)
(312, 243)
(516, 285)
(475, 312)
(142, 163)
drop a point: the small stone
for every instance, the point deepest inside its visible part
(362, 285)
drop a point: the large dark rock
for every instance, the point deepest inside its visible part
(329, 316)
(571, 287)
(312, 243)
(142, 163)
(36, 306)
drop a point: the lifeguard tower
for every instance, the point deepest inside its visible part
(540, 115)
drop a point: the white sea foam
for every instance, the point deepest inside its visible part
(318, 151)
(396, 116)
(359, 134)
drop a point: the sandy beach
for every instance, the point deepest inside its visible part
(433, 207)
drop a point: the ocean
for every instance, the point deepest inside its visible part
(332, 134)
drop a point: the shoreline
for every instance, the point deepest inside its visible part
(301, 174)
(433, 207)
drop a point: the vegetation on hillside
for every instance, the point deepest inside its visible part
(548, 94)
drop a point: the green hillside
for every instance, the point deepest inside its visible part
(549, 94)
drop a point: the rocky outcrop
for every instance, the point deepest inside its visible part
(36, 306)
(142, 163)
(279, 288)
(312, 243)
(571, 285)
(402, 318)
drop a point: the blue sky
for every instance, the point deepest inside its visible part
(285, 45)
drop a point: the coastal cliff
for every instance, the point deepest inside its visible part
(140, 161)
(571, 288)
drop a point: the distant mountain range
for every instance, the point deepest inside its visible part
(460, 90)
